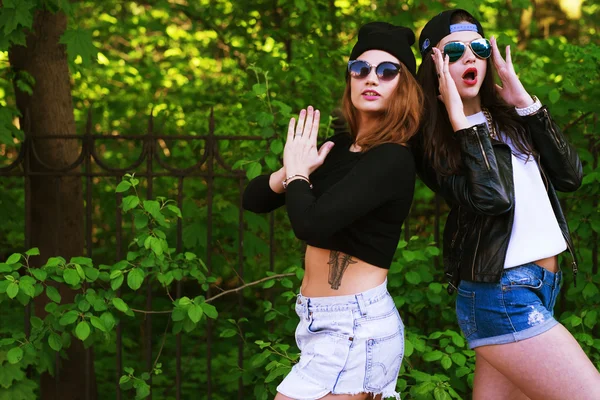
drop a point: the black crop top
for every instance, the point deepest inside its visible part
(357, 205)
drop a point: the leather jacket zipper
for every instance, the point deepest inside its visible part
(457, 229)
(487, 163)
(574, 264)
(475, 256)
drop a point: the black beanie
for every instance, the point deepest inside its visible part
(393, 39)
(438, 28)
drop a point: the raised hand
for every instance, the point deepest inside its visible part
(448, 92)
(300, 154)
(512, 90)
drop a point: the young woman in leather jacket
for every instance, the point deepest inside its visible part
(495, 155)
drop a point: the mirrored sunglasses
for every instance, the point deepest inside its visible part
(386, 71)
(480, 47)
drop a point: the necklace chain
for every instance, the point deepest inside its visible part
(491, 126)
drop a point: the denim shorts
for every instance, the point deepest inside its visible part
(348, 345)
(519, 307)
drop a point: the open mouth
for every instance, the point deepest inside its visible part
(370, 93)
(470, 75)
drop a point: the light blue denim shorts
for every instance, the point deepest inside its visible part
(518, 307)
(349, 345)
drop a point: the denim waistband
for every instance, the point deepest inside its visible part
(548, 278)
(357, 301)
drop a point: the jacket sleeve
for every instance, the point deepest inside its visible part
(483, 188)
(260, 198)
(559, 158)
(384, 173)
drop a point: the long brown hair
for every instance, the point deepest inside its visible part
(399, 121)
(439, 146)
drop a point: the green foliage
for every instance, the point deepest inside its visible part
(256, 66)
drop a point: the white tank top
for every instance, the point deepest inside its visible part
(535, 232)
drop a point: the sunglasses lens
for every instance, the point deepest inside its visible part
(386, 71)
(454, 50)
(359, 69)
(481, 48)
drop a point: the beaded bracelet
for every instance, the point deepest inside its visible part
(530, 109)
(287, 180)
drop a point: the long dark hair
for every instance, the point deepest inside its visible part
(399, 122)
(437, 141)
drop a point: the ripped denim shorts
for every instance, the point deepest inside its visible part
(349, 345)
(518, 307)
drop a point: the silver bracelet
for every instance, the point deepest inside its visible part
(530, 109)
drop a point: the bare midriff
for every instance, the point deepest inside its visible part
(322, 274)
(549, 263)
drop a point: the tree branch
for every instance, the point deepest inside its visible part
(237, 289)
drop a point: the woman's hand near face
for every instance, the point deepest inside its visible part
(300, 155)
(448, 92)
(512, 90)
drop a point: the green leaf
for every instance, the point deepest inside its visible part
(446, 362)
(80, 271)
(175, 210)
(590, 319)
(26, 287)
(554, 96)
(130, 202)
(79, 43)
(276, 146)
(259, 88)
(14, 355)
(71, 277)
(53, 294)
(68, 318)
(590, 290)
(39, 274)
(91, 273)
(440, 394)
(108, 320)
(123, 186)
(135, 278)
(33, 252)
(140, 220)
(459, 359)
(413, 277)
(117, 282)
(209, 310)
(97, 323)
(254, 170)
(228, 333)
(120, 304)
(36, 322)
(178, 314)
(432, 356)
(14, 258)
(12, 290)
(195, 313)
(55, 341)
(83, 330)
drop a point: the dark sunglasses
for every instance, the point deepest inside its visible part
(386, 71)
(480, 47)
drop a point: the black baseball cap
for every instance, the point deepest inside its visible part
(393, 39)
(440, 26)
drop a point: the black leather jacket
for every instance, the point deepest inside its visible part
(480, 222)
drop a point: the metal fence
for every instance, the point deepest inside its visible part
(150, 165)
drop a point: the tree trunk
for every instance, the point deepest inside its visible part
(56, 207)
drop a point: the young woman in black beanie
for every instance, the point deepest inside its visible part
(495, 155)
(348, 200)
